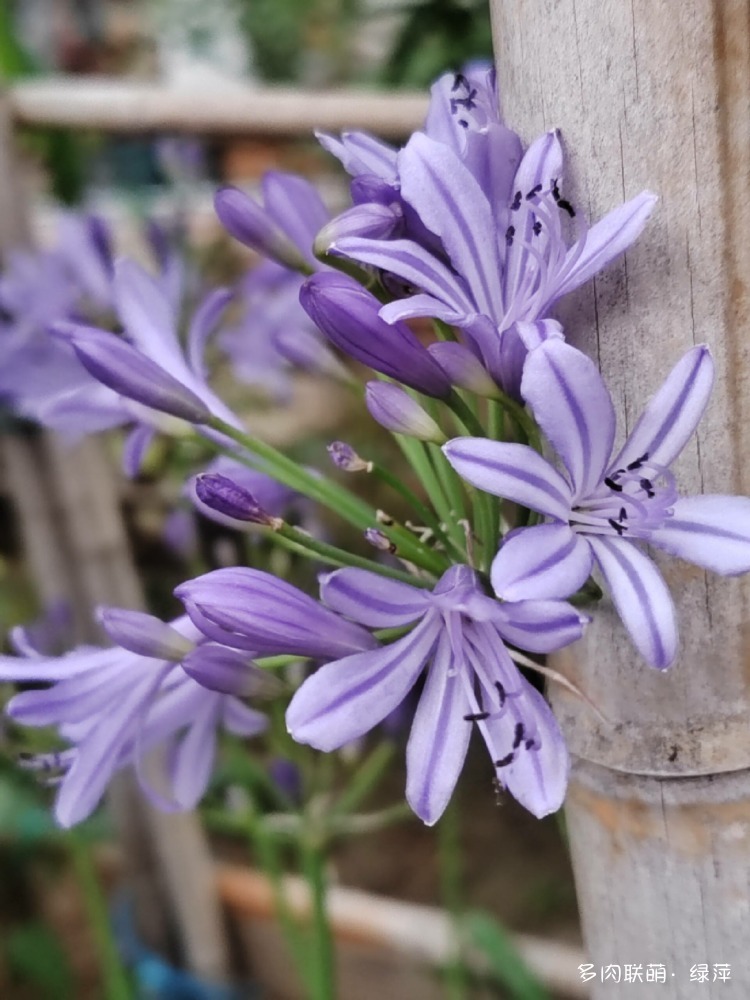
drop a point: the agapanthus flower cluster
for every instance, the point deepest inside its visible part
(440, 279)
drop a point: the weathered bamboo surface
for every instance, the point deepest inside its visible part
(118, 106)
(653, 94)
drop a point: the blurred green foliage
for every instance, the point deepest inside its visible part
(60, 149)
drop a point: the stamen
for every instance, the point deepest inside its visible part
(536, 228)
(638, 462)
(516, 202)
(507, 759)
(566, 207)
(534, 192)
(623, 514)
(619, 528)
(476, 716)
(609, 481)
(463, 123)
(648, 486)
(459, 80)
(501, 692)
(510, 232)
(519, 735)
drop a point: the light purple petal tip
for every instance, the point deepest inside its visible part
(710, 531)
(546, 561)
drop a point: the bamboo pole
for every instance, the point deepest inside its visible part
(651, 94)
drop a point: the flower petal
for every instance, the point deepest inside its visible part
(147, 315)
(450, 202)
(371, 599)
(135, 448)
(361, 153)
(641, 597)
(537, 778)
(573, 407)
(203, 324)
(546, 561)
(345, 699)
(414, 264)
(606, 240)
(439, 738)
(539, 626)
(250, 609)
(711, 531)
(673, 413)
(296, 207)
(513, 471)
(194, 758)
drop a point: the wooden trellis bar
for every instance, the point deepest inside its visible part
(119, 106)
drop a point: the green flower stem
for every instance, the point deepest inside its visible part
(115, 981)
(374, 822)
(365, 778)
(422, 510)
(449, 857)
(265, 844)
(525, 422)
(465, 415)
(320, 951)
(452, 485)
(417, 456)
(300, 541)
(358, 512)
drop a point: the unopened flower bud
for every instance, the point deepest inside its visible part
(344, 457)
(395, 409)
(228, 498)
(464, 368)
(248, 222)
(373, 221)
(379, 541)
(143, 634)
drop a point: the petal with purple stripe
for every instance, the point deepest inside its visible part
(450, 202)
(711, 531)
(439, 737)
(371, 599)
(539, 626)
(546, 561)
(606, 240)
(672, 415)
(513, 471)
(573, 407)
(345, 699)
(641, 598)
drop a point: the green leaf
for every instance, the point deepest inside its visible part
(36, 957)
(505, 964)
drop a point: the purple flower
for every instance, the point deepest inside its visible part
(394, 409)
(603, 505)
(284, 227)
(348, 315)
(146, 373)
(249, 609)
(270, 496)
(116, 706)
(505, 257)
(458, 639)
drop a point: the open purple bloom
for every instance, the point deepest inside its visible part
(458, 639)
(505, 258)
(605, 503)
(117, 706)
(146, 373)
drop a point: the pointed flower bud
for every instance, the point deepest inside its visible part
(223, 495)
(395, 409)
(344, 457)
(307, 350)
(349, 316)
(143, 634)
(230, 671)
(464, 368)
(125, 370)
(248, 222)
